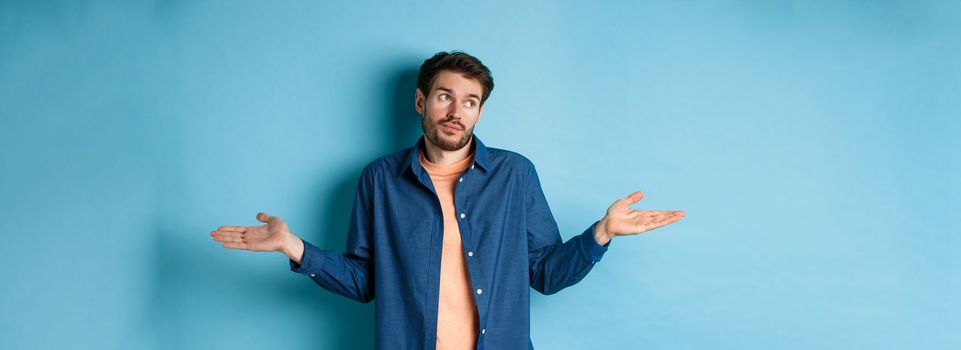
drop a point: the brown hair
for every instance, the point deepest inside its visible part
(455, 61)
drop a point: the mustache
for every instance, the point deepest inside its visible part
(455, 122)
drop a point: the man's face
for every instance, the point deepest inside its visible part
(450, 110)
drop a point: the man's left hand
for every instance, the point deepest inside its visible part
(621, 220)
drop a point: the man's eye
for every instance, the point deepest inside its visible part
(444, 97)
(470, 103)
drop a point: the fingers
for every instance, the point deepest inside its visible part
(242, 237)
(232, 245)
(654, 214)
(663, 212)
(253, 234)
(664, 217)
(252, 246)
(224, 236)
(670, 218)
(234, 240)
(229, 233)
(643, 221)
(668, 215)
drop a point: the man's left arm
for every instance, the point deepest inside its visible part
(555, 265)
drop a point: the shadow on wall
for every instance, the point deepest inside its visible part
(402, 125)
(194, 297)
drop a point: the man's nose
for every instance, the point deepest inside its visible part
(454, 111)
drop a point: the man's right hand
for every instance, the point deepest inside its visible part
(272, 236)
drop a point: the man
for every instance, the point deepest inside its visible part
(449, 234)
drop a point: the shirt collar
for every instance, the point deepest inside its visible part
(413, 162)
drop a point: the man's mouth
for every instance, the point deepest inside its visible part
(451, 126)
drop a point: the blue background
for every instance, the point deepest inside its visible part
(813, 144)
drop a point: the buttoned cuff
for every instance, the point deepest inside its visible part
(310, 262)
(589, 246)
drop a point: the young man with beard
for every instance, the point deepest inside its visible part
(449, 234)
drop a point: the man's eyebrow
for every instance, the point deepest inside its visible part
(449, 91)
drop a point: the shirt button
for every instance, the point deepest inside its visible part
(483, 330)
(313, 275)
(470, 253)
(462, 215)
(460, 180)
(479, 291)
(472, 166)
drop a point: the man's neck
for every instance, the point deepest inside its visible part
(439, 156)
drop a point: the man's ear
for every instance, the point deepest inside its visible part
(419, 99)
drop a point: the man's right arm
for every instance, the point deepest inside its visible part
(350, 273)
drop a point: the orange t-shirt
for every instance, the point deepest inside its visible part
(456, 310)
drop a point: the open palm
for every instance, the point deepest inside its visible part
(622, 220)
(264, 238)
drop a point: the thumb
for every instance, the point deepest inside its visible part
(263, 217)
(633, 197)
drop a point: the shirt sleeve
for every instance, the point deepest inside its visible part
(350, 273)
(554, 264)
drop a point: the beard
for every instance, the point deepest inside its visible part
(433, 133)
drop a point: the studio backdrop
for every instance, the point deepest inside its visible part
(814, 146)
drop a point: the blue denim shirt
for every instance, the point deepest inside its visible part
(395, 237)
